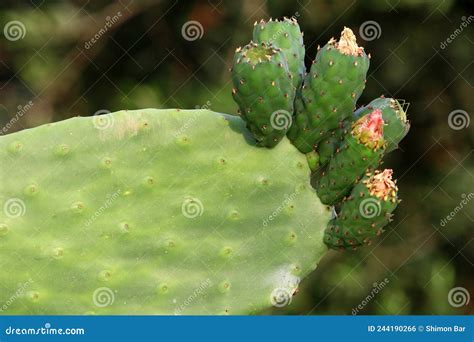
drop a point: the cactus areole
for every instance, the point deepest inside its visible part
(182, 212)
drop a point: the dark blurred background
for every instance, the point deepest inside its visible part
(60, 59)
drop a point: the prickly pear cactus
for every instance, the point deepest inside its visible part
(153, 212)
(196, 212)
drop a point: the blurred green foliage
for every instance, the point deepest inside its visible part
(142, 60)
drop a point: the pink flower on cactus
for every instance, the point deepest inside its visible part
(369, 129)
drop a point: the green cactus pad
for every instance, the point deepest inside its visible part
(286, 35)
(264, 92)
(364, 213)
(394, 116)
(153, 212)
(362, 148)
(330, 91)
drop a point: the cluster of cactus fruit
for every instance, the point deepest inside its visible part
(341, 143)
(196, 212)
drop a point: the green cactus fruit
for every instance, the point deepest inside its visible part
(286, 35)
(361, 149)
(153, 212)
(264, 91)
(328, 147)
(394, 117)
(330, 91)
(364, 213)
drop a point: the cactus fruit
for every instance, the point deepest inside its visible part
(264, 91)
(362, 148)
(152, 207)
(394, 117)
(364, 213)
(330, 91)
(328, 147)
(286, 35)
(396, 126)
